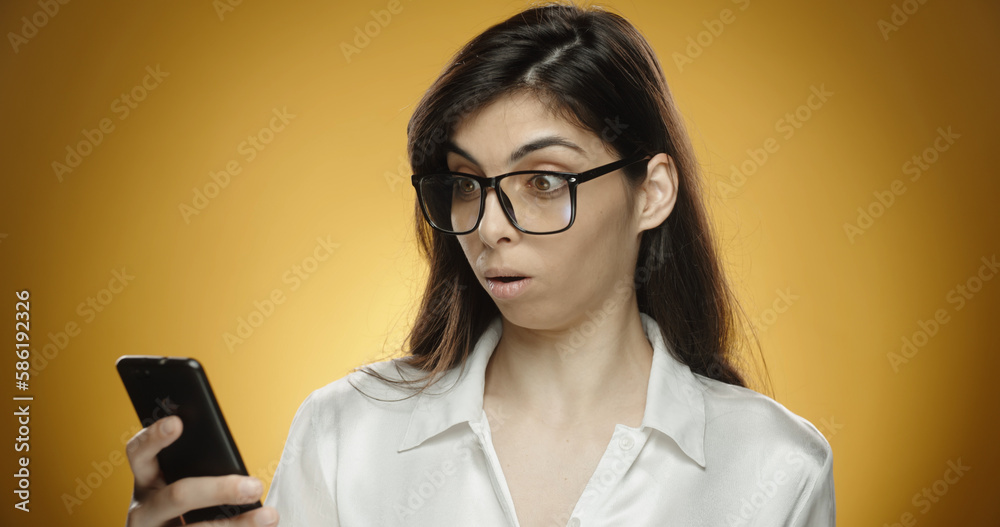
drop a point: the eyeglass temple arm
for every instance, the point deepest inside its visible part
(600, 171)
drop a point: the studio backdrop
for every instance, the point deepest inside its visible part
(227, 180)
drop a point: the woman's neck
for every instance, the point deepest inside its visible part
(563, 379)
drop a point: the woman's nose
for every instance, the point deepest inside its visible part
(495, 224)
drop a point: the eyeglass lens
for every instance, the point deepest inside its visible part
(536, 202)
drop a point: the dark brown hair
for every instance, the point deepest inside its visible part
(597, 71)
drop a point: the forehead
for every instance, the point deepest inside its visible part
(494, 131)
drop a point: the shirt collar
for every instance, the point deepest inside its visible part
(675, 403)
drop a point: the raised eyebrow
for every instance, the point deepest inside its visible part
(523, 150)
(452, 147)
(544, 142)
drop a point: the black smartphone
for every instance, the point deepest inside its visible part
(161, 386)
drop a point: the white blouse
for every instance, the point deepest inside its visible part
(707, 454)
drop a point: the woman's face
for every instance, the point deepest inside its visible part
(572, 273)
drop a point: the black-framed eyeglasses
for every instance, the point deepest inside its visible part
(535, 201)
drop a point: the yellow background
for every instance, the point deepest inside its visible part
(338, 171)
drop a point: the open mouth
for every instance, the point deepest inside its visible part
(508, 287)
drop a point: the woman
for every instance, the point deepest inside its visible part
(576, 320)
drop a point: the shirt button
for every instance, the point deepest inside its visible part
(626, 442)
(574, 522)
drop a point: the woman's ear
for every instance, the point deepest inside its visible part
(658, 192)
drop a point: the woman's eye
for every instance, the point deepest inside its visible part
(466, 185)
(546, 182)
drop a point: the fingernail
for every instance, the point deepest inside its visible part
(167, 426)
(251, 488)
(267, 517)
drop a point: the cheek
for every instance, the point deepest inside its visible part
(599, 236)
(463, 241)
(472, 249)
(601, 210)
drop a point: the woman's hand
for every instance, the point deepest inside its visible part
(156, 504)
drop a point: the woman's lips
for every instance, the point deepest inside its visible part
(507, 289)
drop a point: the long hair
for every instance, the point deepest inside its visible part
(598, 72)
